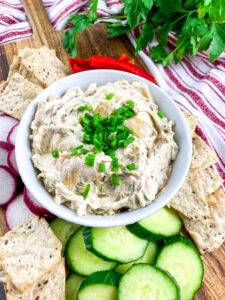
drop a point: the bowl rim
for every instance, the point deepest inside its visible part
(119, 219)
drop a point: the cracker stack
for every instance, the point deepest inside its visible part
(31, 266)
(200, 201)
(30, 72)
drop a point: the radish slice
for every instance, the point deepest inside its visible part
(8, 185)
(4, 150)
(6, 124)
(17, 212)
(11, 160)
(34, 206)
(11, 138)
(6, 146)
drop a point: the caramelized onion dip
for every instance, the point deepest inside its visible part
(104, 150)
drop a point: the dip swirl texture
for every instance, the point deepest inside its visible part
(57, 127)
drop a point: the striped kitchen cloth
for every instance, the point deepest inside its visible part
(196, 85)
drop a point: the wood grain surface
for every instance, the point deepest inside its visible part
(94, 41)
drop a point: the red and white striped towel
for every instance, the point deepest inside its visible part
(197, 85)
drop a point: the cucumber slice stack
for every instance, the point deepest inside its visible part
(141, 271)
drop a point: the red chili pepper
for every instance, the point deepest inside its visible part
(123, 57)
(116, 64)
(83, 63)
(132, 61)
(77, 69)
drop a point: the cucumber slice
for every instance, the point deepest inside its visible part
(181, 259)
(100, 285)
(144, 281)
(149, 258)
(162, 224)
(63, 230)
(114, 244)
(73, 283)
(82, 261)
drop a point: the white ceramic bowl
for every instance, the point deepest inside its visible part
(83, 79)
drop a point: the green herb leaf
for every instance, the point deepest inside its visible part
(116, 29)
(137, 11)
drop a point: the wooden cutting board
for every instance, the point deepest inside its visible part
(93, 41)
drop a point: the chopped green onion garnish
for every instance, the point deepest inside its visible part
(110, 96)
(115, 162)
(115, 179)
(126, 142)
(131, 167)
(80, 108)
(55, 153)
(80, 147)
(101, 189)
(86, 191)
(74, 151)
(115, 169)
(90, 160)
(84, 151)
(85, 107)
(160, 114)
(110, 152)
(88, 107)
(101, 167)
(131, 103)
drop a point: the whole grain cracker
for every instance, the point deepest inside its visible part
(209, 233)
(45, 66)
(3, 85)
(210, 180)
(30, 246)
(50, 286)
(26, 52)
(14, 67)
(192, 121)
(17, 95)
(190, 199)
(3, 276)
(202, 155)
(26, 74)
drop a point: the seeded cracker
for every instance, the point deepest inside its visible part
(209, 233)
(30, 246)
(3, 275)
(45, 66)
(14, 68)
(210, 180)
(51, 286)
(202, 155)
(190, 199)
(192, 122)
(17, 95)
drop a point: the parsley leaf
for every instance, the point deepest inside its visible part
(137, 11)
(116, 29)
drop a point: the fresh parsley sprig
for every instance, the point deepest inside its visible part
(197, 24)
